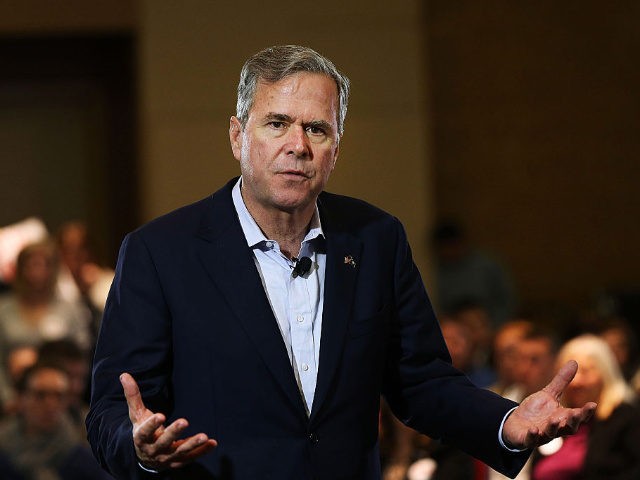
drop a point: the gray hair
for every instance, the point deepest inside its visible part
(275, 63)
(615, 390)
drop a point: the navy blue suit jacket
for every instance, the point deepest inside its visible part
(188, 317)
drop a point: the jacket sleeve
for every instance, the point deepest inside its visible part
(134, 337)
(422, 387)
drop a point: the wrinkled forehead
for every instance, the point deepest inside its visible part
(318, 89)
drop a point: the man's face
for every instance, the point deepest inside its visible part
(289, 145)
(505, 351)
(45, 400)
(536, 363)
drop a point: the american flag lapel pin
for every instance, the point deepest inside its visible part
(348, 260)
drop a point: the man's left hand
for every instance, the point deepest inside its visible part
(540, 418)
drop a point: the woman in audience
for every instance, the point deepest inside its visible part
(32, 313)
(608, 446)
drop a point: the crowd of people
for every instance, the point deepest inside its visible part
(520, 356)
(50, 312)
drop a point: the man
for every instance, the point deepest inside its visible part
(244, 362)
(536, 354)
(532, 353)
(41, 442)
(466, 274)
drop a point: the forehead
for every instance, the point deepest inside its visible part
(535, 346)
(47, 377)
(301, 93)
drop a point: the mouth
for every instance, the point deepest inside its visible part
(294, 174)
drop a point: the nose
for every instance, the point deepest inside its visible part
(298, 142)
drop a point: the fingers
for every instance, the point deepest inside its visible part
(185, 456)
(149, 430)
(181, 452)
(157, 446)
(562, 379)
(160, 437)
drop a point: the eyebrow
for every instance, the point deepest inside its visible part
(282, 117)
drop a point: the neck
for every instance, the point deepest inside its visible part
(35, 298)
(288, 228)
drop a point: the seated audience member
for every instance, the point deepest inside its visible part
(32, 313)
(460, 343)
(607, 447)
(40, 442)
(466, 273)
(82, 280)
(537, 352)
(476, 319)
(18, 359)
(535, 361)
(505, 358)
(622, 341)
(67, 355)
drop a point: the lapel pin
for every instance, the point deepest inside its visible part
(348, 260)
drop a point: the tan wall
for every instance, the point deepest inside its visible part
(191, 53)
(535, 114)
(62, 16)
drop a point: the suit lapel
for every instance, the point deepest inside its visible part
(228, 260)
(340, 281)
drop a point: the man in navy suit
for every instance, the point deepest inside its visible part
(259, 327)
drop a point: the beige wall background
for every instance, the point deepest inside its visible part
(519, 118)
(536, 139)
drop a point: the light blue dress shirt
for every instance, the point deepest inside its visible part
(296, 301)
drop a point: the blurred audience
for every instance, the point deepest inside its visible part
(476, 320)
(622, 340)
(534, 366)
(463, 348)
(18, 359)
(68, 356)
(505, 358)
(464, 273)
(31, 312)
(537, 351)
(608, 446)
(82, 280)
(40, 442)
(14, 238)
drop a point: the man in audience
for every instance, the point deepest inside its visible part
(40, 442)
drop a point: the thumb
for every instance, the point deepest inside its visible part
(134, 399)
(562, 379)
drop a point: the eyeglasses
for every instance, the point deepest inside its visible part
(41, 394)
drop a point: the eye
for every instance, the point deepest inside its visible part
(278, 125)
(315, 130)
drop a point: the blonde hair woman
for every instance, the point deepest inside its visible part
(609, 445)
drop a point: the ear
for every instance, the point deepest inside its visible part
(235, 137)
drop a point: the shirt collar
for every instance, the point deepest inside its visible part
(252, 231)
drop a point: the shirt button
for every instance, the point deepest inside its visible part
(305, 367)
(313, 438)
(269, 244)
(300, 318)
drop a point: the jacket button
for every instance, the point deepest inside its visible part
(313, 438)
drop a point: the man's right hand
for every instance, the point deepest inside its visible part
(158, 447)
